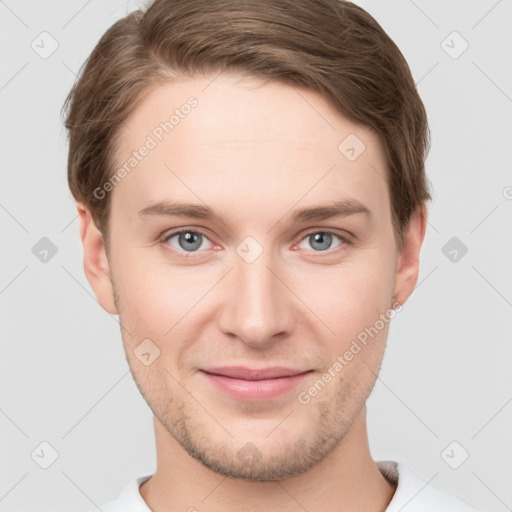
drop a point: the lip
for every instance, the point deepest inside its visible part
(254, 384)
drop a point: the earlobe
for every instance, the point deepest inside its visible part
(96, 265)
(407, 270)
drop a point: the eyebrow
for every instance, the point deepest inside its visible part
(335, 209)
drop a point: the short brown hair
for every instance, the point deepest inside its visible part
(330, 46)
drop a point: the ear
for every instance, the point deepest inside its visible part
(96, 265)
(408, 263)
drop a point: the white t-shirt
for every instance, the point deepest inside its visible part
(412, 494)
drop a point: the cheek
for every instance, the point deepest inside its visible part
(347, 297)
(153, 311)
(157, 297)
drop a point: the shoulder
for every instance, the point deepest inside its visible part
(414, 494)
(129, 500)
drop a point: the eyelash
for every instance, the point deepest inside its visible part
(345, 242)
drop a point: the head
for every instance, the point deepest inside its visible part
(209, 145)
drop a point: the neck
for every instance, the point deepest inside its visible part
(347, 479)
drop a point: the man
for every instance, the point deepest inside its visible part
(252, 196)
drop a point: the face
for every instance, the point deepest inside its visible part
(253, 273)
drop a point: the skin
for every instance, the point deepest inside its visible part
(254, 152)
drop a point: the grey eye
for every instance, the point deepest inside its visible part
(320, 241)
(189, 241)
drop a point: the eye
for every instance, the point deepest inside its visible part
(186, 240)
(322, 240)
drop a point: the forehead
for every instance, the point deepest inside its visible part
(258, 144)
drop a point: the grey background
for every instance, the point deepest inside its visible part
(446, 374)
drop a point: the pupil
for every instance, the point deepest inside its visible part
(325, 237)
(192, 240)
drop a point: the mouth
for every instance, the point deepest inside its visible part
(254, 384)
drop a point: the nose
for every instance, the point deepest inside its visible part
(259, 306)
